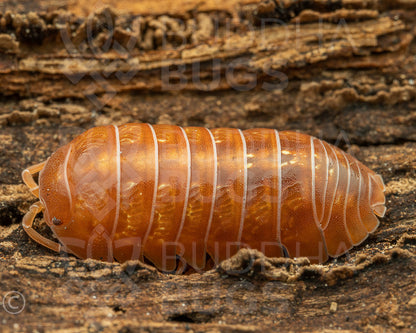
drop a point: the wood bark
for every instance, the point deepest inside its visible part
(343, 71)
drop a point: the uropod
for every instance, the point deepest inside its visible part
(173, 195)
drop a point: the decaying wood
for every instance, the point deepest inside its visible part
(343, 71)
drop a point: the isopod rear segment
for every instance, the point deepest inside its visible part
(167, 193)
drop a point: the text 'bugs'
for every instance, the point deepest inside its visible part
(164, 192)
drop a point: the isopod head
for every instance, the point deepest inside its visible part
(54, 195)
(77, 188)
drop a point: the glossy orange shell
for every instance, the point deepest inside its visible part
(137, 190)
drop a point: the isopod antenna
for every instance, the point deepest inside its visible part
(35, 209)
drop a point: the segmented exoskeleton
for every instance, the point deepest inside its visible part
(161, 192)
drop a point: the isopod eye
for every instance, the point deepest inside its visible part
(56, 221)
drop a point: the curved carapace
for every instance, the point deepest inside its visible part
(163, 192)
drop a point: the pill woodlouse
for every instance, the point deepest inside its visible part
(170, 194)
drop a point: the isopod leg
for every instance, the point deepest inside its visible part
(27, 222)
(180, 268)
(27, 176)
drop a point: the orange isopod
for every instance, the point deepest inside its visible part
(173, 195)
